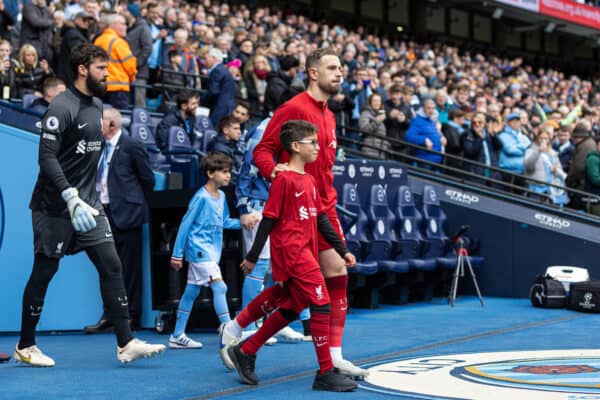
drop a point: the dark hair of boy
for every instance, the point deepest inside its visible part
(227, 121)
(173, 53)
(294, 131)
(242, 103)
(184, 96)
(215, 162)
(85, 54)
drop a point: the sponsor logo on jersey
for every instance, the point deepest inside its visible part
(80, 147)
(49, 136)
(59, 247)
(303, 213)
(531, 375)
(319, 292)
(83, 146)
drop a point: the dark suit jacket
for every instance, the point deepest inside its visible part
(130, 180)
(221, 93)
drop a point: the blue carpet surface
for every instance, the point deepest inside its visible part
(86, 365)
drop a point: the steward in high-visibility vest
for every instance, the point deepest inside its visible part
(122, 66)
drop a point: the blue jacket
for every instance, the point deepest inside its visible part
(231, 148)
(130, 180)
(173, 118)
(200, 235)
(514, 144)
(422, 128)
(221, 93)
(251, 185)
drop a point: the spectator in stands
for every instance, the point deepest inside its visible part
(6, 70)
(6, 22)
(139, 38)
(29, 75)
(220, 97)
(241, 112)
(481, 144)
(228, 142)
(159, 33)
(36, 28)
(51, 88)
(453, 131)
(72, 37)
(370, 123)
(514, 145)
(188, 59)
(542, 164)
(564, 147)
(423, 132)
(278, 81)
(183, 116)
(246, 49)
(341, 105)
(172, 75)
(442, 105)
(255, 78)
(360, 91)
(592, 178)
(584, 145)
(399, 115)
(122, 64)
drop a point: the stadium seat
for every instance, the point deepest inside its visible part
(158, 162)
(382, 221)
(182, 157)
(360, 288)
(28, 99)
(140, 116)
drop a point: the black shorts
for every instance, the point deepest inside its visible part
(55, 236)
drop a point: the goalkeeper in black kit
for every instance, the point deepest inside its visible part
(66, 211)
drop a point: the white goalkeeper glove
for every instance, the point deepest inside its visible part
(82, 214)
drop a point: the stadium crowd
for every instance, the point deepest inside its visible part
(486, 108)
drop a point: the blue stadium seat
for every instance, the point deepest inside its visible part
(182, 156)
(382, 221)
(28, 99)
(435, 220)
(142, 133)
(408, 228)
(140, 116)
(356, 236)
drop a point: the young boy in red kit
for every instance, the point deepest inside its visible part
(293, 216)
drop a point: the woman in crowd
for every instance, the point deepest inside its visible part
(255, 78)
(371, 122)
(29, 74)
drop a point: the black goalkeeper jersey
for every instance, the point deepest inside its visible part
(70, 148)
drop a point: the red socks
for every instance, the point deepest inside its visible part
(271, 326)
(336, 286)
(319, 329)
(262, 305)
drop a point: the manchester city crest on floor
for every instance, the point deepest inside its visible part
(530, 375)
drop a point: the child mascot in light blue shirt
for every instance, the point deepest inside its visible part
(199, 241)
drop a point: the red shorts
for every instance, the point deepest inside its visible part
(337, 226)
(304, 289)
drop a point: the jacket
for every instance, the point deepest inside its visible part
(535, 168)
(453, 132)
(277, 82)
(251, 185)
(220, 97)
(122, 64)
(72, 38)
(472, 145)
(368, 124)
(130, 181)
(565, 154)
(36, 29)
(422, 128)
(140, 41)
(514, 145)
(303, 107)
(592, 173)
(576, 176)
(172, 118)
(232, 149)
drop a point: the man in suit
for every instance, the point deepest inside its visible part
(221, 87)
(124, 180)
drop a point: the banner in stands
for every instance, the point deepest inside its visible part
(531, 5)
(571, 11)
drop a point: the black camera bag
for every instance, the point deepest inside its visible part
(547, 292)
(585, 296)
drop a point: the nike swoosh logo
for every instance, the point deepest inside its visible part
(81, 126)
(320, 344)
(344, 308)
(23, 358)
(299, 194)
(108, 234)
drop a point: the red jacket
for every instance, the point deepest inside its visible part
(269, 150)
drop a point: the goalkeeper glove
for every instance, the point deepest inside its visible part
(82, 214)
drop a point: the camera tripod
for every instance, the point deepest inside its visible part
(459, 271)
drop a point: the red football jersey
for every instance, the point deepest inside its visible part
(295, 203)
